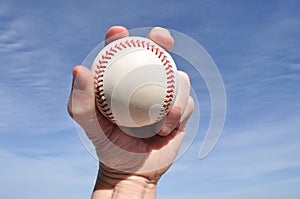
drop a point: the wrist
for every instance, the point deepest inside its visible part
(111, 184)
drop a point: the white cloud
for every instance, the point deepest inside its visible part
(37, 52)
(47, 177)
(246, 163)
(34, 86)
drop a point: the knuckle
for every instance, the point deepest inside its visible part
(191, 102)
(69, 108)
(175, 114)
(184, 76)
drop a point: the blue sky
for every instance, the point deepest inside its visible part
(255, 45)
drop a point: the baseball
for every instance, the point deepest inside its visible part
(135, 81)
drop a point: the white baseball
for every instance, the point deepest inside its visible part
(135, 81)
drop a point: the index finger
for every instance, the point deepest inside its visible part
(162, 37)
(114, 33)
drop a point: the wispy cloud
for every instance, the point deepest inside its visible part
(49, 177)
(34, 85)
(244, 159)
(255, 45)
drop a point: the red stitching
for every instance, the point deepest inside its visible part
(168, 100)
(167, 105)
(138, 43)
(101, 101)
(118, 47)
(170, 91)
(113, 50)
(160, 54)
(100, 70)
(100, 66)
(166, 62)
(103, 105)
(128, 44)
(99, 87)
(123, 45)
(152, 47)
(171, 76)
(156, 51)
(169, 72)
(169, 67)
(171, 81)
(106, 110)
(171, 86)
(101, 94)
(132, 42)
(170, 96)
(164, 58)
(109, 53)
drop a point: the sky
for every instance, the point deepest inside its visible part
(255, 45)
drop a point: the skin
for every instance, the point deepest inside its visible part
(131, 175)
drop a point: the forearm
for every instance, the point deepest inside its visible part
(122, 186)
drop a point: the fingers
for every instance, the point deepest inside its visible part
(177, 113)
(114, 33)
(159, 35)
(162, 37)
(183, 92)
(187, 113)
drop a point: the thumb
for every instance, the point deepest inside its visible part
(81, 103)
(81, 106)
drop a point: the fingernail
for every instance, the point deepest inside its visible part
(78, 82)
(160, 31)
(166, 130)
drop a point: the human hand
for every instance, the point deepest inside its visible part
(128, 161)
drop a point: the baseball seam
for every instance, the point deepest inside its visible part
(101, 100)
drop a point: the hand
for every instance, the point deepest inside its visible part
(126, 160)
